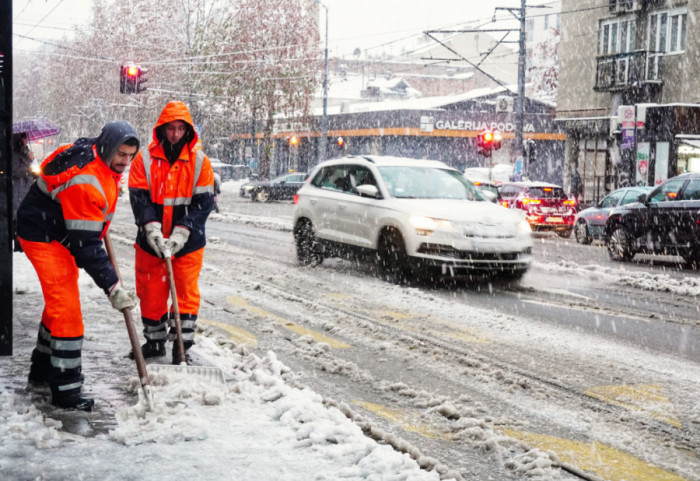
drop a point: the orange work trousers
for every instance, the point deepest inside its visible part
(58, 276)
(152, 285)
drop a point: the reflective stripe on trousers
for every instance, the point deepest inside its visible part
(153, 290)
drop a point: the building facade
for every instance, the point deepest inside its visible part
(629, 91)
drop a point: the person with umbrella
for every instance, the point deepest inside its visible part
(60, 226)
(22, 177)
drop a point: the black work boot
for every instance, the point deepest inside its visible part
(40, 369)
(151, 349)
(176, 353)
(74, 401)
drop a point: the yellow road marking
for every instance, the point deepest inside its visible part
(404, 419)
(454, 331)
(647, 398)
(241, 336)
(296, 328)
(603, 460)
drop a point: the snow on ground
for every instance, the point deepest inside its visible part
(257, 426)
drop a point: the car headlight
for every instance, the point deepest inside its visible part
(524, 227)
(426, 225)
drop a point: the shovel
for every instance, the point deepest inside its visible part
(206, 372)
(133, 336)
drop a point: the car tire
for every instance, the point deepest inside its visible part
(565, 234)
(620, 245)
(262, 195)
(393, 260)
(308, 248)
(581, 233)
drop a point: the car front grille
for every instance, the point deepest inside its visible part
(451, 252)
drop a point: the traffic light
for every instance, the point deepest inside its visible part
(293, 141)
(488, 141)
(340, 142)
(529, 150)
(131, 79)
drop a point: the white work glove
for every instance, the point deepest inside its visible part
(176, 241)
(122, 298)
(154, 237)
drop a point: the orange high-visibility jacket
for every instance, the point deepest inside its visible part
(181, 194)
(73, 202)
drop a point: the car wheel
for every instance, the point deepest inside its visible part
(620, 245)
(393, 259)
(581, 233)
(564, 233)
(263, 195)
(308, 249)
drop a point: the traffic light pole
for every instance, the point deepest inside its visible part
(6, 232)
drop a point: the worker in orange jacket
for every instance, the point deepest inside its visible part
(60, 226)
(171, 194)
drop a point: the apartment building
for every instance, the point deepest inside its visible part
(629, 91)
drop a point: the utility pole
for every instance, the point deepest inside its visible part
(520, 100)
(6, 231)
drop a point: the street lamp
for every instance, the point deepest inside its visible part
(324, 120)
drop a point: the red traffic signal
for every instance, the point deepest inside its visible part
(293, 140)
(488, 141)
(131, 79)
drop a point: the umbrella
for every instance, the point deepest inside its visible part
(35, 129)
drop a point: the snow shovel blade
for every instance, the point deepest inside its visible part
(209, 373)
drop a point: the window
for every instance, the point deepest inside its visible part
(612, 200)
(667, 191)
(631, 196)
(616, 36)
(692, 190)
(667, 31)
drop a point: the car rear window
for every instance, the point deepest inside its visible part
(546, 193)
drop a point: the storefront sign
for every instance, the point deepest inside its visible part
(480, 125)
(626, 113)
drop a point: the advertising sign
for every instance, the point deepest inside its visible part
(642, 170)
(628, 126)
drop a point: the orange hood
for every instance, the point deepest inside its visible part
(175, 110)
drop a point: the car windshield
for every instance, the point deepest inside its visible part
(546, 193)
(409, 182)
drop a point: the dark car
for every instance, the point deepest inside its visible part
(589, 224)
(281, 188)
(546, 206)
(664, 221)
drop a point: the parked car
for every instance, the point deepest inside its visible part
(664, 221)
(589, 224)
(546, 206)
(487, 186)
(281, 188)
(414, 216)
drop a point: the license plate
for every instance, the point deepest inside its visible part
(554, 219)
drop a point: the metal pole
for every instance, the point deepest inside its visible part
(324, 121)
(6, 232)
(520, 99)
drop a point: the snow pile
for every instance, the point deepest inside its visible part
(688, 286)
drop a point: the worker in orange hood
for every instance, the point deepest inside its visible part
(60, 226)
(171, 194)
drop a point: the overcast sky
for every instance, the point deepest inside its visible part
(364, 24)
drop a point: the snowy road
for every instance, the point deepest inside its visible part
(473, 376)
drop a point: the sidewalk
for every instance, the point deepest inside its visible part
(256, 427)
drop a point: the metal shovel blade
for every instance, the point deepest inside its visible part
(208, 373)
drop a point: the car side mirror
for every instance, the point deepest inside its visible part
(368, 190)
(642, 198)
(488, 195)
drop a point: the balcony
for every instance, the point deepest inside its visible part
(629, 70)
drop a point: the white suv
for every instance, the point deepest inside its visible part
(413, 215)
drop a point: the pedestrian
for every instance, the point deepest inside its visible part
(171, 194)
(217, 191)
(22, 177)
(576, 185)
(60, 226)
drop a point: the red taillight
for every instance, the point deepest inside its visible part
(504, 203)
(570, 202)
(531, 201)
(296, 198)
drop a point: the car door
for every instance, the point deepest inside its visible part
(662, 217)
(356, 212)
(688, 213)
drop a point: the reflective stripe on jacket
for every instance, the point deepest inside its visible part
(181, 194)
(73, 202)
